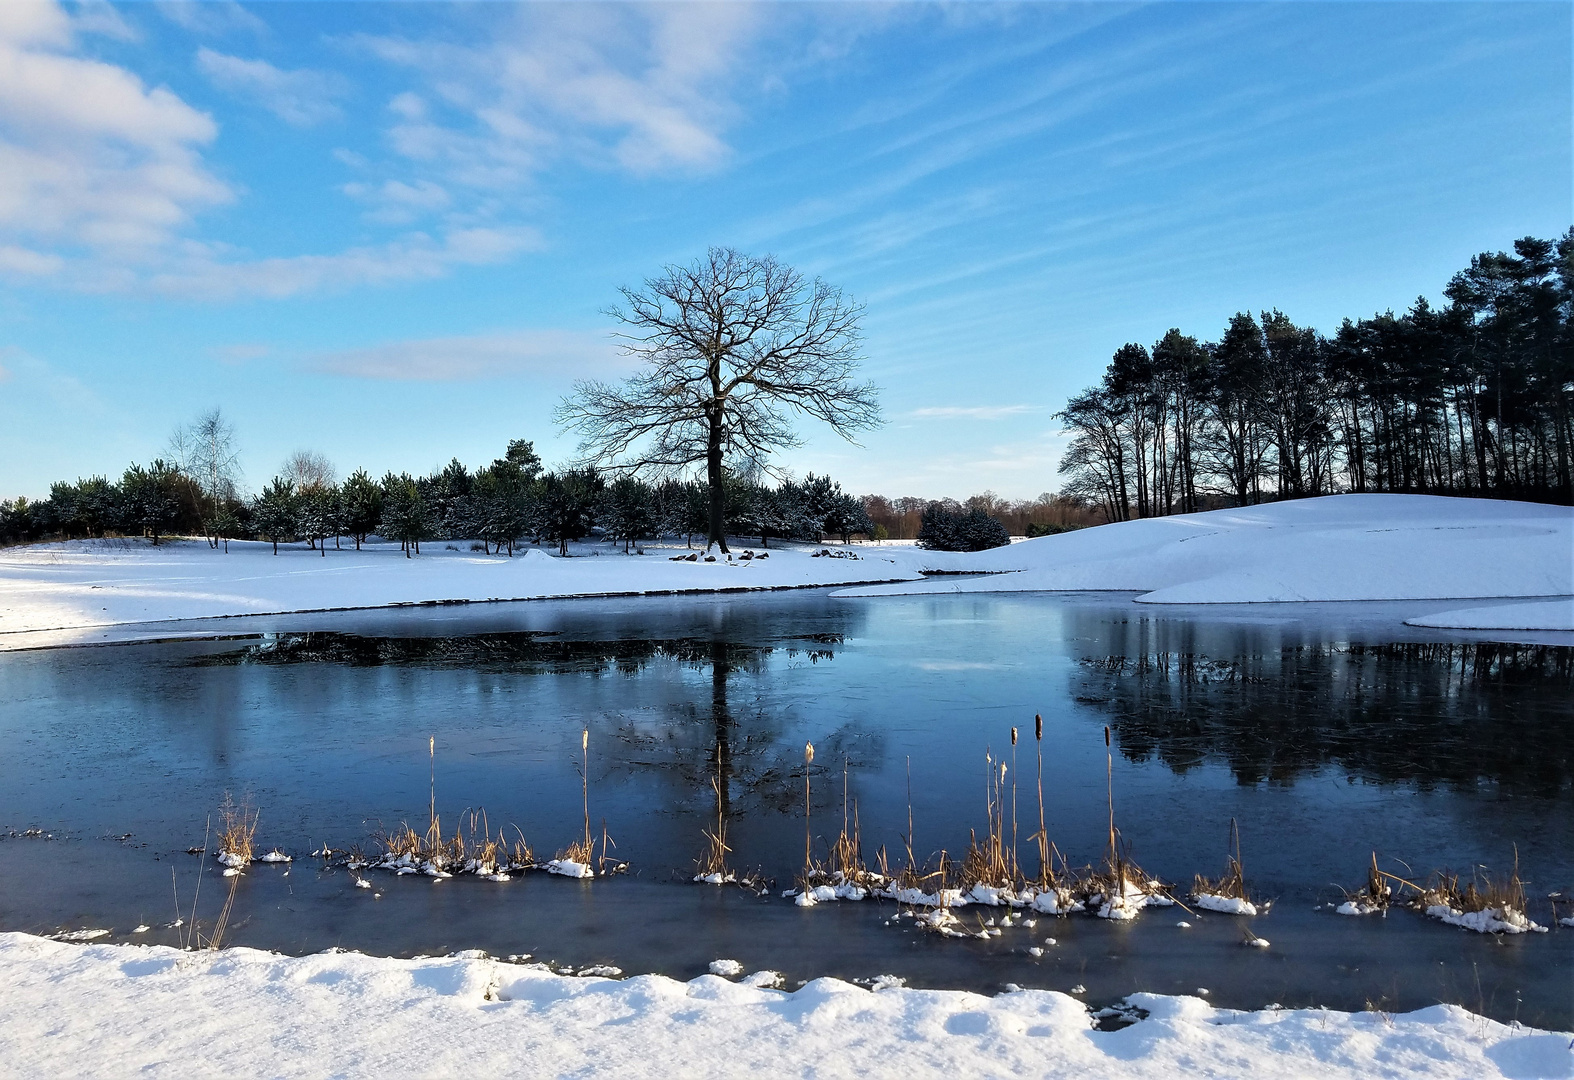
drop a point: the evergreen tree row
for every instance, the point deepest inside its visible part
(1474, 399)
(500, 505)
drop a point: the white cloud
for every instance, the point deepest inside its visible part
(21, 262)
(644, 88)
(562, 353)
(301, 98)
(213, 18)
(89, 156)
(395, 203)
(102, 178)
(236, 355)
(99, 17)
(415, 257)
(973, 412)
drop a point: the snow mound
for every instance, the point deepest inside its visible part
(1340, 547)
(1487, 920)
(729, 969)
(569, 868)
(1227, 905)
(86, 1010)
(1542, 615)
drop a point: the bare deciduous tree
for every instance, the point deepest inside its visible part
(309, 470)
(205, 451)
(731, 345)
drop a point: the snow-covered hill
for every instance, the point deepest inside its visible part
(1344, 547)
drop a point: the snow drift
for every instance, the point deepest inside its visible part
(1540, 615)
(1342, 547)
(95, 1010)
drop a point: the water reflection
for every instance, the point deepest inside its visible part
(500, 652)
(694, 739)
(1426, 713)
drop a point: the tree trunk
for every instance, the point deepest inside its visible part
(718, 522)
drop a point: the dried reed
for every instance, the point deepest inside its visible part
(237, 826)
(712, 866)
(1232, 885)
(1483, 892)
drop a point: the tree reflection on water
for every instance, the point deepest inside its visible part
(1431, 713)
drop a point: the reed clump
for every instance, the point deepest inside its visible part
(237, 827)
(1120, 888)
(1375, 895)
(1486, 902)
(991, 864)
(1225, 894)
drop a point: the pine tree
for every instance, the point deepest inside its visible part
(628, 511)
(274, 513)
(406, 517)
(566, 505)
(361, 506)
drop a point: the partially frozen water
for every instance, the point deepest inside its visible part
(1327, 731)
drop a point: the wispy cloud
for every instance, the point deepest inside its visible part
(207, 275)
(509, 354)
(300, 98)
(236, 355)
(99, 17)
(973, 412)
(643, 88)
(213, 18)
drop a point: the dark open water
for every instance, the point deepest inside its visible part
(1327, 731)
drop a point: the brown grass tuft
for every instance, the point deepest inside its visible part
(1233, 884)
(237, 826)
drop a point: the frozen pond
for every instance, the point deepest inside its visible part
(1327, 731)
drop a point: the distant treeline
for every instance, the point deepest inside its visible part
(1474, 399)
(500, 505)
(902, 519)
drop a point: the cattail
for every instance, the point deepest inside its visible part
(584, 778)
(1043, 832)
(808, 847)
(1013, 801)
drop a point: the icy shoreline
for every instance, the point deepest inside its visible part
(64, 593)
(84, 1010)
(1337, 548)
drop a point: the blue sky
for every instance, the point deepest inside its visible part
(387, 232)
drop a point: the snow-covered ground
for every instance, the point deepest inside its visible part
(99, 1010)
(1537, 615)
(80, 585)
(1344, 547)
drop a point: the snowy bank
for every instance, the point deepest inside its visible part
(1343, 547)
(93, 1010)
(1539, 615)
(80, 585)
